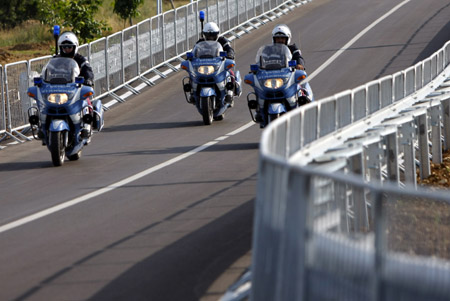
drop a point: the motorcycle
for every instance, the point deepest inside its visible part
(209, 85)
(277, 85)
(62, 116)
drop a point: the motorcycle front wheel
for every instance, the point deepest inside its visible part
(57, 148)
(207, 110)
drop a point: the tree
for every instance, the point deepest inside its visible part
(14, 12)
(80, 17)
(76, 15)
(127, 9)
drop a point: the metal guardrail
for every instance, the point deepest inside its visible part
(131, 55)
(336, 185)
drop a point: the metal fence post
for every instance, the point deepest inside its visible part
(122, 57)
(237, 11)
(446, 122)
(361, 217)
(424, 153)
(380, 247)
(392, 157)
(175, 31)
(436, 146)
(107, 65)
(163, 34)
(228, 14)
(2, 102)
(138, 62)
(407, 140)
(186, 32)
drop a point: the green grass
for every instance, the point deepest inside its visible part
(29, 33)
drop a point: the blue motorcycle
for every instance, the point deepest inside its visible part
(209, 85)
(277, 84)
(62, 116)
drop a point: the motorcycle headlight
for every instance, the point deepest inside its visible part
(206, 70)
(274, 83)
(58, 98)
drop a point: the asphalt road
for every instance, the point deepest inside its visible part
(169, 233)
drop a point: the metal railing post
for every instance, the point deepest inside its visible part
(380, 247)
(138, 62)
(122, 58)
(407, 141)
(436, 142)
(163, 34)
(424, 153)
(107, 64)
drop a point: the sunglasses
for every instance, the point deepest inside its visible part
(66, 47)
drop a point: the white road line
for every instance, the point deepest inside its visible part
(119, 184)
(352, 41)
(153, 169)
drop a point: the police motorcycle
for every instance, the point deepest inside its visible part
(277, 85)
(209, 85)
(62, 115)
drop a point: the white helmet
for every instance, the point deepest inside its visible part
(283, 31)
(68, 39)
(211, 31)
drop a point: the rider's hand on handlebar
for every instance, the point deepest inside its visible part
(299, 67)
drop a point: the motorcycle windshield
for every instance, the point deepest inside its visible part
(273, 56)
(207, 49)
(60, 70)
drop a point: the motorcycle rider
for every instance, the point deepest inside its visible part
(211, 33)
(68, 47)
(282, 34)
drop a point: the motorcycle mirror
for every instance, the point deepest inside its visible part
(189, 55)
(292, 63)
(223, 54)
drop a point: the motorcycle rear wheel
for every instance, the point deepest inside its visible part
(207, 110)
(57, 148)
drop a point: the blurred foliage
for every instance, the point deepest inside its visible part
(127, 9)
(14, 12)
(76, 15)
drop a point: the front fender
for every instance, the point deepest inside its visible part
(207, 91)
(276, 108)
(58, 125)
